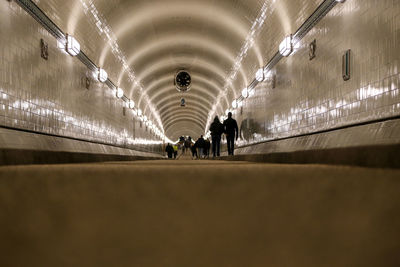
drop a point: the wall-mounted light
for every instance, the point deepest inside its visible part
(286, 46)
(260, 75)
(120, 93)
(139, 112)
(131, 104)
(102, 75)
(73, 47)
(234, 104)
(245, 92)
(145, 118)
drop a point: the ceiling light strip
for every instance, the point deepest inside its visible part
(87, 61)
(318, 14)
(40, 17)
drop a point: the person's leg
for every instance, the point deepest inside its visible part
(231, 142)
(214, 145)
(228, 143)
(218, 141)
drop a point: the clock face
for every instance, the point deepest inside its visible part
(183, 80)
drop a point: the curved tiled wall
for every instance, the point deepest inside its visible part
(51, 96)
(308, 96)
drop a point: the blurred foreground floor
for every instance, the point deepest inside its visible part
(199, 213)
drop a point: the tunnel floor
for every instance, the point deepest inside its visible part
(198, 213)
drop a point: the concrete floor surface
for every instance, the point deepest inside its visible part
(199, 213)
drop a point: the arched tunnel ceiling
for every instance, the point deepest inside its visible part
(159, 37)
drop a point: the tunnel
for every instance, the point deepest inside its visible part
(200, 133)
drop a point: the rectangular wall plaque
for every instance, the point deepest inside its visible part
(44, 49)
(346, 64)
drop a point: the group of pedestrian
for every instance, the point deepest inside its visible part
(231, 131)
(172, 150)
(201, 148)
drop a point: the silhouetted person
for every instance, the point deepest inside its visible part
(188, 143)
(170, 150)
(216, 129)
(230, 129)
(194, 151)
(200, 144)
(207, 146)
(175, 150)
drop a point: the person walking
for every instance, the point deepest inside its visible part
(231, 128)
(188, 144)
(207, 148)
(216, 129)
(200, 144)
(170, 150)
(175, 150)
(194, 151)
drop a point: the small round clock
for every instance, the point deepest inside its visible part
(183, 81)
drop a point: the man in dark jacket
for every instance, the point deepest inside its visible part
(216, 129)
(170, 150)
(231, 128)
(194, 151)
(200, 144)
(207, 148)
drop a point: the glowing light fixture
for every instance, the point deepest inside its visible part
(260, 75)
(286, 46)
(102, 75)
(340, 1)
(245, 93)
(73, 47)
(145, 118)
(234, 104)
(131, 104)
(120, 92)
(139, 112)
(267, 74)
